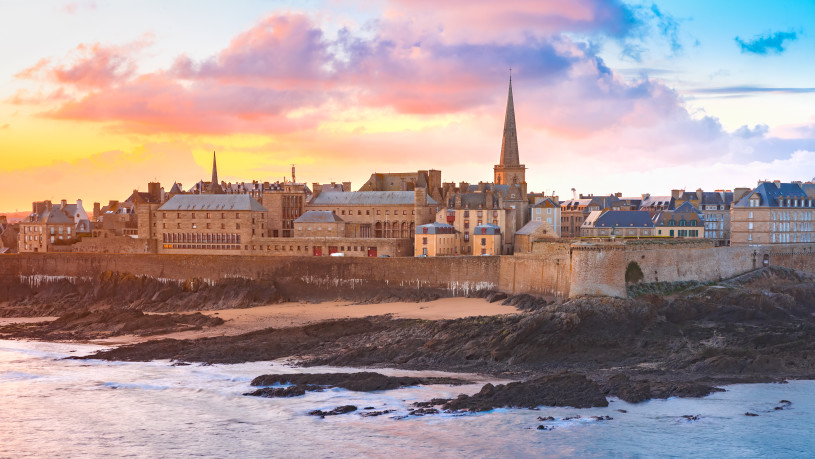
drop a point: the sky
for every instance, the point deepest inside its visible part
(97, 98)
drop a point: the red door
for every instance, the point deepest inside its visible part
(371, 251)
(318, 251)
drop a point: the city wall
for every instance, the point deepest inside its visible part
(557, 270)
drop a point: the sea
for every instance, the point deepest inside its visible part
(53, 407)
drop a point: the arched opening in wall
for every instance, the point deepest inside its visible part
(405, 231)
(378, 230)
(766, 261)
(633, 273)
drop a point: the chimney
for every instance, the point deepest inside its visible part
(464, 186)
(316, 188)
(574, 194)
(420, 197)
(48, 205)
(699, 194)
(63, 203)
(646, 196)
(489, 200)
(293, 175)
(3, 220)
(481, 187)
(739, 193)
(346, 186)
(676, 194)
(618, 194)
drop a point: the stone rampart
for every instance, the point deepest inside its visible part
(557, 269)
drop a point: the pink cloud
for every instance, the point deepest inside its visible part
(89, 66)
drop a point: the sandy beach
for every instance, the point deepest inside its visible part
(238, 321)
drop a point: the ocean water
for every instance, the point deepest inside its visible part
(50, 407)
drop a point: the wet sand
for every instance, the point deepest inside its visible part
(239, 321)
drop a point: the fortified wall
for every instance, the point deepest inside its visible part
(558, 270)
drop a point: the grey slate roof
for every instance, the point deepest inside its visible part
(624, 219)
(770, 193)
(529, 228)
(486, 228)
(436, 228)
(214, 202)
(366, 198)
(665, 202)
(318, 216)
(687, 207)
(54, 216)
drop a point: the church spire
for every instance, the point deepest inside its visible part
(214, 170)
(509, 145)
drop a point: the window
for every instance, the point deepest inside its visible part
(424, 240)
(750, 226)
(483, 241)
(237, 226)
(378, 212)
(750, 215)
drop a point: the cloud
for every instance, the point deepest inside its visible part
(766, 44)
(759, 130)
(89, 66)
(748, 89)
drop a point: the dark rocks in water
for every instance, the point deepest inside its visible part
(750, 414)
(369, 414)
(290, 391)
(364, 381)
(785, 402)
(423, 411)
(368, 408)
(336, 411)
(691, 417)
(602, 418)
(563, 389)
(636, 391)
(496, 296)
(543, 427)
(572, 418)
(432, 402)
(547, 418)
(623, 411)
(783, 405)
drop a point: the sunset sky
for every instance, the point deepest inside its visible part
(99, 97)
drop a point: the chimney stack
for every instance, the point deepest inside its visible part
(346, 186)
(316, 189)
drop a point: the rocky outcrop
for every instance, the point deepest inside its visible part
(85, 325)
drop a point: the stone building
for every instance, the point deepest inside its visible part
(547, 211)
(684, 222)
(715, 211)
(436, 239)
(618, 224)
(655, 204)
(206, 224)
(774, 213)
(406, 181)
(574, 212)
(378, 214)
(319, 223)
(531, 232)
(8, 236)
(480, 204)
(46, 229)
(285, 203)
(487, 239)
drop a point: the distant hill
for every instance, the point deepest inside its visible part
(14, 217)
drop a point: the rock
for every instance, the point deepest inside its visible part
(291, 391)
(375, 413)
(364, 381)
(563, 389)
(691, 417)
(750, 414)
(622, 411)
(547, 418)
(602, 418)
(423, 411)
(336, 411)
(572, 418)
(432, 402)
(543, 427)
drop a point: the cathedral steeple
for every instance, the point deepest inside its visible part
(509, 145)
(510, 171)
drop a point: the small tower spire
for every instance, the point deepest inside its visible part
(214, 170)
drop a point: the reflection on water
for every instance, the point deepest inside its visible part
(71, 408)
